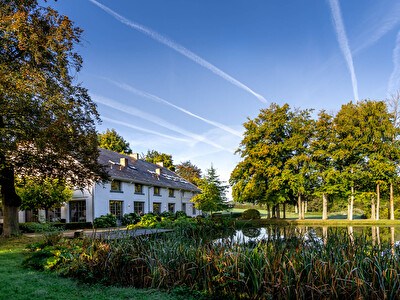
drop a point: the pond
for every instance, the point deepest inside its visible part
(376, 234)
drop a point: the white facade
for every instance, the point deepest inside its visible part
(97, 201)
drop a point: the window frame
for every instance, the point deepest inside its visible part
(138, 189)
(118, 211)
(171, 205)
(157, 204)
(112, 188)
(138, 210)
(158, 191)
(171, 193)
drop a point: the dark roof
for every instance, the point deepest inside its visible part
(141, 171)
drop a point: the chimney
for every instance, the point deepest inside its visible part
(135, 156)
(158, 171)
(160, 163)
(123, 161)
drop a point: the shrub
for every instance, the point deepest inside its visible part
(34, 227)
(179, 214)
(105, 221)
(132, 218)
(78, 225)
(251, 214)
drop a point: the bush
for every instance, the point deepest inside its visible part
(179, 214)
(105, 221)
(132, 218)
(251, 214)
(34, 227)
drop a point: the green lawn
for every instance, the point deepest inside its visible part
(17, 282)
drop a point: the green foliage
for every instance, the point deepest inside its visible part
(212, 196)
(131, 218)
(47, 121)
(111, 140)
(34, 227)
(188, 171)
(297, 266)
(251, 214)
(154, 157)
(46, 194)
(105, 221)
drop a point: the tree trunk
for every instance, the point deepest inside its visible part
(324, 207)
(391, 202)
(378, 200)
(351, 204)
(373, 209)
(278, 212)
(300, 207)
(11, 201)
(268, 211)
(284, 210)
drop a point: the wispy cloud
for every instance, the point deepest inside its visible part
(343, 43)
(155, 120)
(179, 48)
(144, 94)
(394, 80)
(380, 26)
(129, 125)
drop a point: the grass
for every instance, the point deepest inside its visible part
(19, 283)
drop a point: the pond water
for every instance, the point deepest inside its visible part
(377, 234)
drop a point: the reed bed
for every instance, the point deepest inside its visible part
(291, 267)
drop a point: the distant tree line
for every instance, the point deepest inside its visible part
(289, 157)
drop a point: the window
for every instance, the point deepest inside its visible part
(156, 207)
(54, 214)
(138, 188)
(116, 208)
(194, 210)
(171, 207)
(116, 186)
(77, 211)
(157, 191)
(184, 207)
(138, 207)
(171, 193)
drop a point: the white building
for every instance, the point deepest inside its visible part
(135, 186)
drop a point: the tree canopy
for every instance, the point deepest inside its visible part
(154, 157)
(188, 171)
(213, 192)
(45, 194)
(111, 140)
(47, 122)
(287, 154)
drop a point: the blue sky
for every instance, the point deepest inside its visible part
(182, 76)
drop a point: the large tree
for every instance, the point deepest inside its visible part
(47, 121)
(154, 157)
(111, 140)
(188, 171)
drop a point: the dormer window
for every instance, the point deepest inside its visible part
(116, 186)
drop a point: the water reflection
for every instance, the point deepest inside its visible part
(376, 234)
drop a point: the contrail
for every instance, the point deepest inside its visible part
(144, 129)
(154, 119)
(163, 101)
(387, 24)
(343, 43)
(394, 80)
(178, 48)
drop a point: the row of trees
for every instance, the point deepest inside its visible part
(289, 157)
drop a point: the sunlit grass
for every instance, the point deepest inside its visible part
(18, 283)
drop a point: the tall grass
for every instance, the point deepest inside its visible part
(289, 267)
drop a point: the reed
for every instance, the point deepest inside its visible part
(291, 267)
